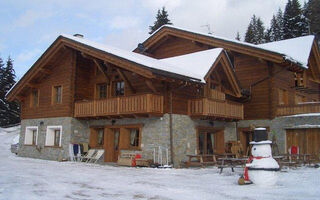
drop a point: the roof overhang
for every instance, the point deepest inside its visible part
(240, 47)
(63, 42)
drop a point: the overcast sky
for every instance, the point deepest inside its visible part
(27, 28)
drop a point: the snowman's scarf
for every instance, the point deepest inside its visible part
(246, 175)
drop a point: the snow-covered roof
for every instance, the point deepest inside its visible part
(296, 50)
(177, 68)
(199, 63)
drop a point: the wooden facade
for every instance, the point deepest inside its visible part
(260, 73)
(72, 79)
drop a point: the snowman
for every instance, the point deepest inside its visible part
(261, 168)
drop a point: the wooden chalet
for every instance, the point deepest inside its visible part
(184, 91)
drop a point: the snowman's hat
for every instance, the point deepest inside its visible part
(260, 136)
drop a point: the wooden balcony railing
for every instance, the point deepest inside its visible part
(311, 107)
(138, 104)
(215, 94)
(214, 108)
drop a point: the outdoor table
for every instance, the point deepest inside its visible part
(200, 159)
(232, 163)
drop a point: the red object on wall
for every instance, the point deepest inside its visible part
(138, 156)
(294, 150)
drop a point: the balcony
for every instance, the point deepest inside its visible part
(302, 108)
(121, 106)
(215, 108)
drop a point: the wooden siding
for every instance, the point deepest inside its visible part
(174, 46)
(217, 109)
(138, 104)
(308, 141)
(60, 74)
(285, 110)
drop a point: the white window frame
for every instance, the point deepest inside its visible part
(50, 130)
(27, 132)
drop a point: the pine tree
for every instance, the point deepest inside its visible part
(161, 19)
(313, 14)
(238, 36)
(294, 22)
(255, 31)
(267, 36)
(9, 111)
(276, 27)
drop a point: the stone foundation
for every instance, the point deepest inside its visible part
(155, 133)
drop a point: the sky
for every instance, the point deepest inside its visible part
(28, 27)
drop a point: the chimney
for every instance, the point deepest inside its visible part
(78, 35)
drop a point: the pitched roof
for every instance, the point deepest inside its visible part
(146, 61)
(296, 50)
(198, 63)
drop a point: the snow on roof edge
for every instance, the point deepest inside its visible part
(285, 56)
(137, 58)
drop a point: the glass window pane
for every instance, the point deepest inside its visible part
(116, 139)
(57, 138)
(201, 138)
(134, 137)
(100, 136)
(34, 137)
(58, 94)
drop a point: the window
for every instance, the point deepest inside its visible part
(102, 91)
(118, 88)
(31, 135)
(134, 137)
(53, 136)
(57, 94)
(57, 137)
(283, 97)
(100, 136)
(34, 101)
(298, 79)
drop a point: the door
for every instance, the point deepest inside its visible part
(245, 139)
(111, 144)
(210, 141)
(308, 140)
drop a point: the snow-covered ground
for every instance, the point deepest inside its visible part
(24, 178)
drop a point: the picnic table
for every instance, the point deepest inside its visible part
(295, 159)
(231, 163)
(201, 160)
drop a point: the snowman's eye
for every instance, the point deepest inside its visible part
(254, 148)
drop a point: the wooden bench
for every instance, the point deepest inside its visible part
(201, 160)
(231, 163)
(221, 167)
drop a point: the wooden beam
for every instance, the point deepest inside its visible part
(102, 69)
(151, 86)
(126, 80)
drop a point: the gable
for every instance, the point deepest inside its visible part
(210, 66)
(171, 46)
(279, 52)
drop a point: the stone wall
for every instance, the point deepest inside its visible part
(40, 150)
(155, 133)
(279, 125)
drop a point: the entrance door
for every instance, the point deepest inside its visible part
(210, 141)
(308, 140)
(111, 144)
